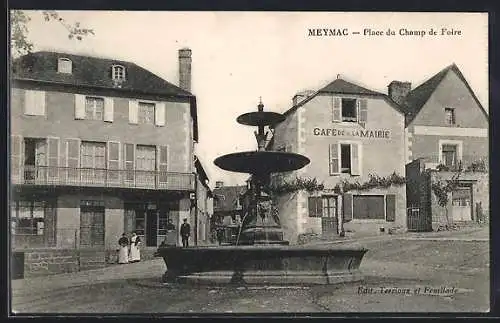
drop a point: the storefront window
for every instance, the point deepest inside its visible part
(28, 218)
(162, 222)
(140, 223)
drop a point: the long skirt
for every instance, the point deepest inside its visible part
(135, 253)
(123, 255)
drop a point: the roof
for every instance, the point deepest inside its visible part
(201, 171)
(416, 99)
(95, 72)
(227, 197)
(340, 86)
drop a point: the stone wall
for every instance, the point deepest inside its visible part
(58, 261)
(47, 262)
(480, 193)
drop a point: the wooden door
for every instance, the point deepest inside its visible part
(92, 227)
(461, 209)
(329, 219)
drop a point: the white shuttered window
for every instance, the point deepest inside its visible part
(34, 103)
(345, 158)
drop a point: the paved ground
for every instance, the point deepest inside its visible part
(406, 262)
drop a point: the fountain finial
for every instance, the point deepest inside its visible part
(261, 105)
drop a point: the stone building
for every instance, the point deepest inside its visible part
(204, 206)
(227, 206)
(354, 138)
(447, 137)
(98, 147)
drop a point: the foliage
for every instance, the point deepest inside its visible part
(19, 31)
(312, 185)
(298, 184)
(441, 189)
(477, 166)
(375, 181)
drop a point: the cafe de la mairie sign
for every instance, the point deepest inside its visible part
(359, 133)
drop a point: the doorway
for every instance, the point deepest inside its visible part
(91, 226)
(151, 228)
(329, 219)
(462, 204)
(35, 156)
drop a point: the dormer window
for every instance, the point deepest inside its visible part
(64, 65)
(118, 73)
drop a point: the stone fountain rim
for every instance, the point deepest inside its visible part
(270, 247)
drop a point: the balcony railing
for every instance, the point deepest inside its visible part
(65, 176)
(468, 163)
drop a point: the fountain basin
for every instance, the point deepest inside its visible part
(261, 162)
(273, 264)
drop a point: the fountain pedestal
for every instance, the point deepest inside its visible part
(261, 255)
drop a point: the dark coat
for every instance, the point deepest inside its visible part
(185, 229)
(123, 241)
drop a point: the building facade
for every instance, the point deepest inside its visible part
(447, 138)
(204, 207)
(352, 135)
(228, 209)
(98, 147)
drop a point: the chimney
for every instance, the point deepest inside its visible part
(185, 69)
(219, 184)
(301, 96)
(399, 90)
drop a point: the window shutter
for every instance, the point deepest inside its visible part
(128, 161)
(363, 111)
(16, 150)
(355, 159)
(108, 109)
(390, 207)
(133, 111)
(160, 114)
(34, 103)
(315, 204)
(336, 109)
(73, 160)
(334, 159)
(162, 163)
(113, 159)
(347, 207)
(53, 157)
(41, 104)
(73, 153)
(63, 155)
(29, 102)
(79, 106)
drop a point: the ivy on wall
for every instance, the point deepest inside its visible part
(442, 189)
(312, 185)
(374, 181)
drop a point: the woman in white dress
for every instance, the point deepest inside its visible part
(135, 253)
(123, 251)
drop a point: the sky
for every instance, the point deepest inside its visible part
(241, 56)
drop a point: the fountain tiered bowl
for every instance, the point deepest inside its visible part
(261, 255)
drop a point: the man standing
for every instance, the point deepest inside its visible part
(185, 233)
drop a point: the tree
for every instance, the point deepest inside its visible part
(19, 20)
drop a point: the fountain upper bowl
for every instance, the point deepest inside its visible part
(261, 162)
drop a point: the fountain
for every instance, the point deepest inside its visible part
(261, 255)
